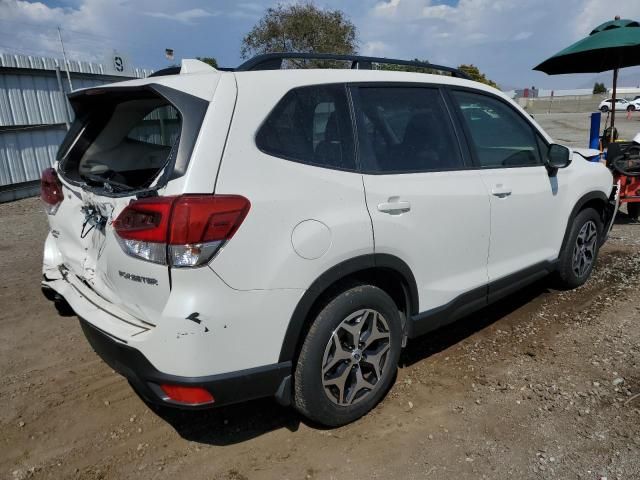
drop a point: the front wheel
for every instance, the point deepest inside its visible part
(631, 108)
(580, 253)
(349, 358)
(604, 109)
(633, 209)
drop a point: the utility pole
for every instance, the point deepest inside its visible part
(66, 62)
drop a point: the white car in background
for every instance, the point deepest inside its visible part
(229, 235)
(634, 105)
(621, 105)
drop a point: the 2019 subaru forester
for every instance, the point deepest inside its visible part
(227, 235)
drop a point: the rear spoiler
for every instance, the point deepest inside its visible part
(188, 66)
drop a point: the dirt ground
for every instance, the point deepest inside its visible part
(542, 385)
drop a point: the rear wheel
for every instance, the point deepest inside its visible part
(581, 250)
(631, 108)
(349, 357)
(633, 209)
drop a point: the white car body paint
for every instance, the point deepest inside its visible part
(303, 221)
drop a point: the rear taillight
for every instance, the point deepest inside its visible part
(185, 231)
(51, 191)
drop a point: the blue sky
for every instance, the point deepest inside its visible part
(505, 38)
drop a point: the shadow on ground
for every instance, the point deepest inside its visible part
(445, 337)
(623, 218)
(231, 424)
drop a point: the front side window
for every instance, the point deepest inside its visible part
(406, 129)
(311, 125)
(500, 136)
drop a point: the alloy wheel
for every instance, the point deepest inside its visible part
(584, 251)
(354, 359)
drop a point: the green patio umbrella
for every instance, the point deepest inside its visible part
(610, 46)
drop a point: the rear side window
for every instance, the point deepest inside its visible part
(501, 137)
(310, 125)
(406, 129)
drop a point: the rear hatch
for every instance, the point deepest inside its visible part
(127, 143)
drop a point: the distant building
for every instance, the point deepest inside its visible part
(624, 92)
(527, 93)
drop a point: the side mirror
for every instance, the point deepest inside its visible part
(558, 156)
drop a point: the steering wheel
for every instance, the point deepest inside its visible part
(628, 163)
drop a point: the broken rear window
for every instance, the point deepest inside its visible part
(124, 142)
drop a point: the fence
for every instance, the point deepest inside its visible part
(564, 104)
(34, 114)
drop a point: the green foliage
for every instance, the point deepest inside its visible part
(209, 61)
(470, 70)
(406, 68)
(476, 75)
(301, 28)
(599, 88)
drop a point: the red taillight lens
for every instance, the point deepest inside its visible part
(194, 227)
(187, 395)
(206, 218)
(51, 190)
(146, 219)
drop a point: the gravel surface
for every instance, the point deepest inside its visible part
(542, 385)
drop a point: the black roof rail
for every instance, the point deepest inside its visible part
(273, 61)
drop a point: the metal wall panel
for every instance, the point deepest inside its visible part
(25, 153)
(36, 99)
(48, 63)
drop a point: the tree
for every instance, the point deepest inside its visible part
(470, 70)
(599, 88)
(209, 61)
(475, 74)
(301, 28)
(407, 68)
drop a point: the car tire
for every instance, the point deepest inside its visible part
(336, 379)
(633, 210)
(580, 252)
(604, 109)
(631, 108)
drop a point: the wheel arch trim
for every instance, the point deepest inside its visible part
(340, 271)
(577, 208)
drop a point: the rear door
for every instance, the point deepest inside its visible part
(427, 207)
(524, 198)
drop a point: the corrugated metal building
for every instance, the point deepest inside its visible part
(34, 114)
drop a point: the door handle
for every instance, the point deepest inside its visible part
(500, 191)
(394, 206)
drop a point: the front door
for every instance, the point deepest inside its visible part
(524, 197)
(426, 206)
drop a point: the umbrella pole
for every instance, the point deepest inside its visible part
(613, 104)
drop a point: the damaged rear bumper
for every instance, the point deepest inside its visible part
(227, 388)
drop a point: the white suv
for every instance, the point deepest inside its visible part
(228, 235)
(621, 105)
